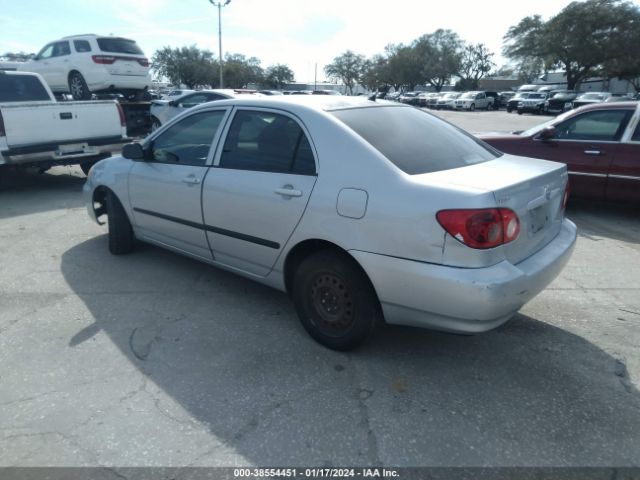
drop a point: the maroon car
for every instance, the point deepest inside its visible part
(599, 143)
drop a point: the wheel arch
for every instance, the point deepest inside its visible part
(309, 247)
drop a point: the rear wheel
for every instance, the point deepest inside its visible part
(120, 231)
(335, 301)
(78, 87)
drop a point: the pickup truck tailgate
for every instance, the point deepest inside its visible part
(57, 123)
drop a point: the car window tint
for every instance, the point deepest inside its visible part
(60, 49)
(188, 141)
(81, 46)
(602, 125)
(415, 141)
(21, 88)
(636, 134)
(193, 100)
(268, 142)
(119, 45)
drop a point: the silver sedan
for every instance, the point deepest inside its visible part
(362, 211)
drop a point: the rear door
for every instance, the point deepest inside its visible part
(624, 175)
(255, 196)
(165, 190)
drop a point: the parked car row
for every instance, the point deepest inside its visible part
(559, 101)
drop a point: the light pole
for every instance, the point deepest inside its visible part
(220, 4)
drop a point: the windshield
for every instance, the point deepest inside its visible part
(469, 95)
(592, 96)
(533, 130)
(449, 96)
(538, 95)
(415, 141)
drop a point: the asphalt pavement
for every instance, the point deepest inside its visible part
(154, 359)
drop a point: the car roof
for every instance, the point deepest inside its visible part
(320, 103)
(607, 106)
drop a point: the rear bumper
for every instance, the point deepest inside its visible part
(61, 153)
(463, 300)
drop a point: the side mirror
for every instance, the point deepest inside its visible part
(548, 133)
(133, 151)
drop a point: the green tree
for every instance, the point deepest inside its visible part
(347, 68)
(240, 71)
(278, 76)
(440, 55)
(475, 63)
(374, 75)
(403, 66)
(185, 65)
(580, 39)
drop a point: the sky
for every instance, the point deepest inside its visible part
(298, 33)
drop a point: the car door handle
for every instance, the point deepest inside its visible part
(288, 191)
(191, 180)
(592, 152)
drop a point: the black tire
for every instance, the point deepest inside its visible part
(335, 300)
(155, 124)
(86, 166)
(120, 231)
(142, 96)
(519, 112)
(509, 109)
(78, 87)
(472, 107)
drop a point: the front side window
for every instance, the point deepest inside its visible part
(196, 99)
(636, 134)
(46, 52)
(268, 142)
(603, 126)
(188, 141)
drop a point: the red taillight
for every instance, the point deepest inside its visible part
(103, 59)
(565, 198)
(123, 118)
(481, 228)
(2, 132)
(144, 62)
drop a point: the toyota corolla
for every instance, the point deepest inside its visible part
(361, 211)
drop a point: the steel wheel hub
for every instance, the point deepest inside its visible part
(332, 302)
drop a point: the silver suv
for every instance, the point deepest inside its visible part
(85, 64)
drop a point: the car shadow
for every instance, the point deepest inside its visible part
(25, 191)
(610, 220)
(233, 355)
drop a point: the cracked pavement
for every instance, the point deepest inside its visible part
(152, 359)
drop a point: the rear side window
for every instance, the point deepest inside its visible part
(415, 141)
(267, 142)
(81, 46)
(119, 45)
(21, 88)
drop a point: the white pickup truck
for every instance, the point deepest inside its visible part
(36, 130)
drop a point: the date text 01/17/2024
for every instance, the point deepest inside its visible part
(294, 473)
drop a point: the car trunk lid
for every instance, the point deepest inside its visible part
(533, 189)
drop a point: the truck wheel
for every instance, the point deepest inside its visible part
(78, 87)
(120, 231)
(509, 109)
(155, 124)
(335, 301)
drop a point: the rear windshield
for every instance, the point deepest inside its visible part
(119, 45)
(21, 88)
(415, 141)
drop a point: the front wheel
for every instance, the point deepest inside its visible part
(509, 109)
(472, 107)
(78, 87)
(335, 301)
(120, 231)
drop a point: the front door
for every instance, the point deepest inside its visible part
(165, 190)
(255, 196)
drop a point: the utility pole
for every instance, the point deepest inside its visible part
(220, 4)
